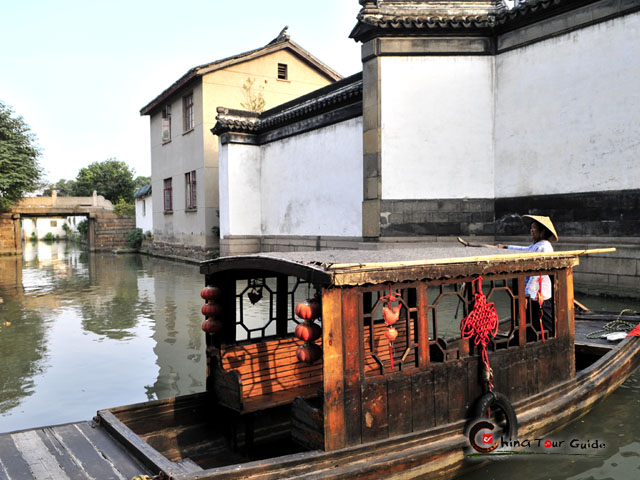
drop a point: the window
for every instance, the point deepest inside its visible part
(190, 183)
(282, 71)
(166, 124)
(168, 202)
(54, 223)
(144, 208)
(187, 111)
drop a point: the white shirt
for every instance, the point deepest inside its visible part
(533, 283)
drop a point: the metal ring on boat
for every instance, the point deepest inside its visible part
(497, 401)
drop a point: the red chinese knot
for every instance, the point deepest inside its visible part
(482, 322)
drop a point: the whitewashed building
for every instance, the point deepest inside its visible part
(466, 115)
(144, 208)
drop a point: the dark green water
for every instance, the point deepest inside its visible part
(81, 332)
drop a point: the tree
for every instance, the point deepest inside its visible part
(141, 181)
(20, 172)
(111, 178)
(63, 188)
(255, 101)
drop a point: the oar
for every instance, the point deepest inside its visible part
(471, 244)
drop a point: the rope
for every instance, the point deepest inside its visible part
(616, 325)
(540, 302)
(482, 324)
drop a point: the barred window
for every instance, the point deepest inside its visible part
(168, 195)
(166, 124)
(190, 183)
(283, 73)
(187, 110)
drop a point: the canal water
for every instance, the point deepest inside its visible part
(81, 332)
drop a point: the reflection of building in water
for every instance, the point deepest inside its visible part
(173, 293)
(22, 335)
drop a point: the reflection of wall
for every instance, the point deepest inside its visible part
(180, 342)
(42, 226)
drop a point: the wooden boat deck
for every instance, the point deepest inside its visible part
(73, 451)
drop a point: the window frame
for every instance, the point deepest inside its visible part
(191, 199)
(283, 71)
(188, 115)
(167, 194)
(166, 123)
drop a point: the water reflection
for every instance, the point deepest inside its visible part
(80, 332)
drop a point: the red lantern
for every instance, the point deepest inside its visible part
(309, 353)
(308, 332)
(211, 293)
(211, 310)
(211, 326)
(391, 334)
(391, 314)
(309, 309)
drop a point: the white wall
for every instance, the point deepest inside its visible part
(437, 127)
(240, 199)
(312, 183)
(568, 112)
(308, 184)
(42, 226)
(144, 213)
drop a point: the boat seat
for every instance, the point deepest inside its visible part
(255, 376)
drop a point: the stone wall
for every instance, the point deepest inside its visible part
(111, 231)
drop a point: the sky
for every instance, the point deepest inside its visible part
(79, 71)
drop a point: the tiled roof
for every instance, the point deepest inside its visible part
(393, 16)
(344, 92)
(142, 191)
(281, 42)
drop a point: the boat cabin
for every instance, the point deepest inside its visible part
(380, 351)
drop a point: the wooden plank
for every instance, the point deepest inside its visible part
(422, 400)
(440, 394)
(333, 374)
(423, 325)
(399, 404)
(113, 451)
(12, 465)
(522, 312)
(375, 415)
(353, 352)
(134, 444)
(40, 460)
(457, 403)
(72, 467)
(79, 447)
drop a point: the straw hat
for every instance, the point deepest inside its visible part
(544, 221)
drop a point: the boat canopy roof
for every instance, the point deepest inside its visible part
(328, 268)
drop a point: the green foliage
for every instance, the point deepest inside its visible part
(63, 188)
(83, 228)
(141, 181)
(33, 237)
(111, 178)
(67, 229)
(124, 208)
(20, 172)
(148, 234)
(134, 238)
(49, 237)
(255, 101)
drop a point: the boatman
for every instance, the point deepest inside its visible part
(542, 234)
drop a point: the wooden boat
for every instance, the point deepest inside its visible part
(373, 404)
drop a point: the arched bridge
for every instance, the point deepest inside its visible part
(106, 229)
